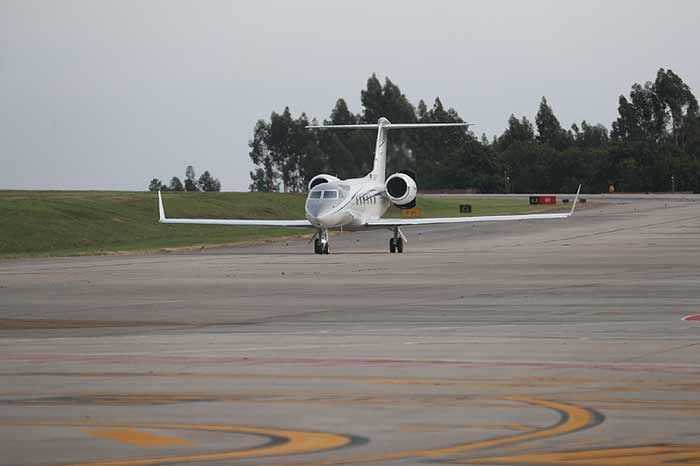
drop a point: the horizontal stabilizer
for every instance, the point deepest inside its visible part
(391, 126)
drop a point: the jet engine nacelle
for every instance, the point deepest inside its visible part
(401, 190)
(318, 179)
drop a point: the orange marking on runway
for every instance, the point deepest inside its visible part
(137, 437)
(688, 455)
(296, 442)
(292, 441)
(575, 419)
(445, 427)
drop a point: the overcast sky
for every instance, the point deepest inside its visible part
(109, 94)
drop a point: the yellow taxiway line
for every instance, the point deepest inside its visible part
(137, 437)
(284, 442)
(653, 455)
(574, 418)
(287, 442)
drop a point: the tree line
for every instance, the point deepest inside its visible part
(206, 182)
(654, 145)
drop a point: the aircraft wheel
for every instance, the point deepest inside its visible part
(392, 245)
(317, 246)
(399, 245)
(325, 249)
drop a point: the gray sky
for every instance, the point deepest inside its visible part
(109, 94)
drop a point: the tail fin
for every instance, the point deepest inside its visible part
(379, 168)
(378, 172)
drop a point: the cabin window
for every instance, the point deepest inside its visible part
(315, 195)
(330, 194)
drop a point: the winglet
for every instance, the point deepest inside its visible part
(575, 200)
(161, 211)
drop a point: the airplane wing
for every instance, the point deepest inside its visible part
(208, 221)
(399, 222)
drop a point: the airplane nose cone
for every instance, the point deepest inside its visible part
(323, 212)
(316, 208)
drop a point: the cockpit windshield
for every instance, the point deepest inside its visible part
(328, 191)
(326, 197)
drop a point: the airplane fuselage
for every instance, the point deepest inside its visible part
(346, 204)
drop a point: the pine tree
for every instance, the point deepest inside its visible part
(175, 184)
(190, 179)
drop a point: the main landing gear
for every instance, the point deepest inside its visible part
(321, 242)
(396, 243)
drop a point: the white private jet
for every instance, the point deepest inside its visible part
(360, 203)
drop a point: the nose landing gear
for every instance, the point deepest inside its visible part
(396, 243)
(321, 242)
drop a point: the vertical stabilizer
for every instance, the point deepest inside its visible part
(383, 126)
(379, 169)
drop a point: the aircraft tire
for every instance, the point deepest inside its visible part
(392, 246)
(399, 245)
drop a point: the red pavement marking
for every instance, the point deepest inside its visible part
(692, 317)
(252, 360)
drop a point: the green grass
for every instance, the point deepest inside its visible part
(90, 222)
(43, 223)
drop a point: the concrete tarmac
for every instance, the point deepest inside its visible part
(525, 343)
